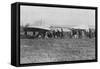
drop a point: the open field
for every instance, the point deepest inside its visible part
(53, 50)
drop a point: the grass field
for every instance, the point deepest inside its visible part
(53, 50)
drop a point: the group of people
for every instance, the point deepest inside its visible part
(82, 33)
(46, 34)
(55, 34)
(59, 33)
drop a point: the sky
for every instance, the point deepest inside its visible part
(47, 16)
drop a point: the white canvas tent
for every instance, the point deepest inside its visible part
(41, 27)
(81, 27)
(65, 29)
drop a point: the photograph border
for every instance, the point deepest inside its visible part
(15, 17)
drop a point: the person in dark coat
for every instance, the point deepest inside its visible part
(62, 35)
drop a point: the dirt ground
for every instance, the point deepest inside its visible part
(53, 50)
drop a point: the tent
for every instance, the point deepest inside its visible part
(40, 27)
(81, 27)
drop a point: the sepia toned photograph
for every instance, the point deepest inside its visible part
(55, 34)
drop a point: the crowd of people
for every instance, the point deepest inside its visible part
(73, 33)
(45, 34)
(82, 33)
